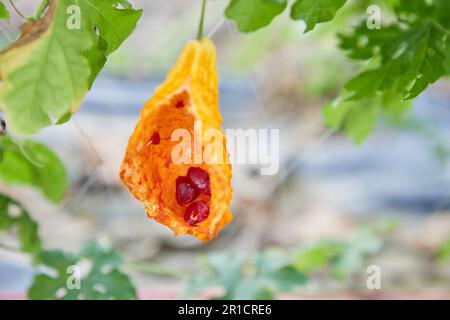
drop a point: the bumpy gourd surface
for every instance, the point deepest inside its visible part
(189, 93)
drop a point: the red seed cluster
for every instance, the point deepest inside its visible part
(197, 212)
(185, 192)
(199, 178)
(188, 189)
(179, 104)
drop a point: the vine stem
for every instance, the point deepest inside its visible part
(156, 269)
(202, 21)
(40, 9)
(16, 10)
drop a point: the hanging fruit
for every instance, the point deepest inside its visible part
(190, 191)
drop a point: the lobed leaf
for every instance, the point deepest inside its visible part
(410, 61)
(104, 279)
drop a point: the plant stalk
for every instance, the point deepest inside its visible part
(40, 9)
(202, 21)
(156, 269)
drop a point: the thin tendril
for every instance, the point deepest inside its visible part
(16, 10)
(202, 21)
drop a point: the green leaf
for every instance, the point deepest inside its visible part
(125, 4)
(14, 216)
(274, 269)
(31, 163)
(411, 11)
(361, 121)
(226, 270)
(247, 276)
(354, 253)
(316, 256)
(104, 279)
(443, 252)
(358, 117)
(65, 118)
(101, 254)
(252, 289)
(57, 260)
(410, 60)
(251, 15)
(53, 285)
(403, 59)
(286, 278)
(447, 61)
(27, 230)
(47, 72)
(113, 284)
(4, 13)
(364, 43)
(313, 12)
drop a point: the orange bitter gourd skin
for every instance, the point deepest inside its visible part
(189, 94)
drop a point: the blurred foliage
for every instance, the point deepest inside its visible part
(402, 55)
(407, 61)
(402, 59)
(358, 118)
(13, 217)
(259, 275)
(104, 280)
(262, 275)
(99, 273)
(313, 12)
(4, 13)
(246, 276)
(251, 15)
(443, 252)
(27, 162)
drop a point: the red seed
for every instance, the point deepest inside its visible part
(179, 104)
(199, 179)
(154, 139)
(184, 191)
(196, 213)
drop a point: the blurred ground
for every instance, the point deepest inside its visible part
(326, 188)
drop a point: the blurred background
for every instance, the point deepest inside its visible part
(387, 199)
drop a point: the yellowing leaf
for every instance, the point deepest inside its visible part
(49, 69)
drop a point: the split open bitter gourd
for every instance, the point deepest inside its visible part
(191, 197)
